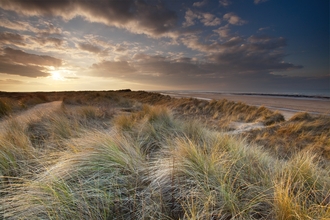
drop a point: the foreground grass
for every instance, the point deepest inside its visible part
(84, 162)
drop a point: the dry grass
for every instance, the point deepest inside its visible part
(142, 162)
(302, 132)
(302, 189)
(5, 108)
(216, 114)
(13, 103)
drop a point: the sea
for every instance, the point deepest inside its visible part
(316, 93)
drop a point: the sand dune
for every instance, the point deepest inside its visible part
(33, 113)
(288, 106)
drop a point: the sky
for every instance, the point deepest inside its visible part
(269, 46)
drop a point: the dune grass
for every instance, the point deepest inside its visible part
(216, 113)
(5, 108)
(82, 163)
(14, 103)
(302, 132)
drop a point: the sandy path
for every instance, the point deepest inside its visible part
(33, 113)
(288, 106)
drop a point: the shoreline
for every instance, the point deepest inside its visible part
(298, 96)
(287, 105)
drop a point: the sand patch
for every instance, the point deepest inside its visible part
(240, 127)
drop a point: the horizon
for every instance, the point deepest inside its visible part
(256, 46)
(312, 94)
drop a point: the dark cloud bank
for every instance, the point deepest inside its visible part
(137, 16)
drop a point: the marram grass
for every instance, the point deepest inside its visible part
(149, 165)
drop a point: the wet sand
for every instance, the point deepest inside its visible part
(288, 106)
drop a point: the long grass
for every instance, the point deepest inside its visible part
(80, 163)
(302, 132)
(5, 108)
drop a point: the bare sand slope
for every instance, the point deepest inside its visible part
(33, 113)
(288, 106)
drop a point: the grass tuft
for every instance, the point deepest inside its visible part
(5, 108)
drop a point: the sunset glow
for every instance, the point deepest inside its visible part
(222, 45)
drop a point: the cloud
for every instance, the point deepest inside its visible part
(264, 42)
(259, 1)
(232, 70)
(19, 56)
(263, 29)
(210, 20)
(224, 31)
(232, 18)
(190, 16)
(16, 25)
(112, 69)
(22, 70)
(18, 62)
(200, 4)
(120, 48)
(207, 19)
(254, 54)
(184, 67)
(89, 47)
(43, 28)
(225, 2)
(49, 29)
(71, 77)
(49, 41)
(11, 38)
(10, 81)
(214, 47)
(152, 19)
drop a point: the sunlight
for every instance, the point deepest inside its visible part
(56, 75)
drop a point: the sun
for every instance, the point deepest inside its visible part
(56, 75)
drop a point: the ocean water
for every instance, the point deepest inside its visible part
(318, 93)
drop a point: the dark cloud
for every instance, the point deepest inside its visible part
(42, 28)
(137, 16)
(19, 56)
(49, 40)
(112, 69)
(257, 53)
(22, 70)
(265, 42)
(207, 19)
(89, 47)
(120, 49)
(49, 29)
(161, 66)
(11, 38)
(187, 73)
(18, 62)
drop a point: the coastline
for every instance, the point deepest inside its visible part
(288, 104)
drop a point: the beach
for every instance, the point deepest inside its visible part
(287, 105)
